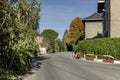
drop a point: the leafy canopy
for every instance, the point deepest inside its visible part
(49, 33)
(76, 31)
(49, 37)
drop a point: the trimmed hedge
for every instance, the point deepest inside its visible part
(105, 46)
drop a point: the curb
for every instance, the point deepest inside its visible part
(102, 60)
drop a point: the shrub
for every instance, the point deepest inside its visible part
(107, 46)
(19, 21)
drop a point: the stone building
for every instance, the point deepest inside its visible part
(93, 26)
(109, 9)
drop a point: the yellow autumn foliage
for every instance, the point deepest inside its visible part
(76, 30)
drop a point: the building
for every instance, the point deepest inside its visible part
(39, 41)
(109, 9)
(93, 26)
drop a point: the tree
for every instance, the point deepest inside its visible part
(64, 36)
(50, 35)
(18, 29)
(59, 45)
(76, 31)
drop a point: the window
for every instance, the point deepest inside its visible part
(99, 33)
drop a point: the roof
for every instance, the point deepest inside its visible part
(93, 17)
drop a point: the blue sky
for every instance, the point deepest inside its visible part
(58, 14)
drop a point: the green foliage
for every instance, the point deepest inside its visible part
(49, 37)
(65, 36)
(49, 33)
(108, 46)
(60, 46)
(18, 30)
(6, 74)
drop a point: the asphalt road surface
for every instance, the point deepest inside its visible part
(61, 66)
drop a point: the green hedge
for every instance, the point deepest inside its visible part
(107, 46)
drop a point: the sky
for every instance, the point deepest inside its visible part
(58, 14)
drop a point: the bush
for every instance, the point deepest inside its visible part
(105, 46)
(19, 21)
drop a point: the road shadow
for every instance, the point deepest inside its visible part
(36, 63)
(41, 58)
(34, 67)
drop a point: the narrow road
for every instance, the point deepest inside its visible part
(61, 66)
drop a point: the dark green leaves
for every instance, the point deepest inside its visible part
(49, 36)
(109, 46)
(18, 29)
(49, 33)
